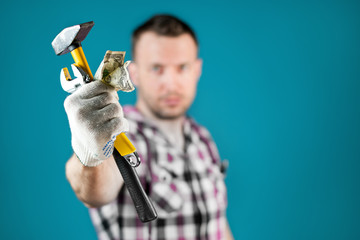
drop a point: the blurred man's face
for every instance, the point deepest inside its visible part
(166, 72)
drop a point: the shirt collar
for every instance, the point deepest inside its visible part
(132, 113)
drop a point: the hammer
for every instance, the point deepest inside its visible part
(125, 155)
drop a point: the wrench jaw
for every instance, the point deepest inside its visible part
(71, 85)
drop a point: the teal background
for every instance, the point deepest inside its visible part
(279, 92)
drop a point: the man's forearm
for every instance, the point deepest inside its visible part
(94, 186)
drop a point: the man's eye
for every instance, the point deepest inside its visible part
(156, 68)
(183, 67)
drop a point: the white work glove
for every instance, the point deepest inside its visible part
(95, 118)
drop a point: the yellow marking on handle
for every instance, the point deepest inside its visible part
(123, 145)
(80, 60)
(67, 74)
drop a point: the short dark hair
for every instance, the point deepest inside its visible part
(163, 25)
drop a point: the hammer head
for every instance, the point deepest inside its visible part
(71, 38)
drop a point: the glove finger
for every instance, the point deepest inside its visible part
(102, 100)
(122, 126)
(93, 89)
(125, 126)
(115, 94)
(94, 97)
(109, 129)
(106, 113)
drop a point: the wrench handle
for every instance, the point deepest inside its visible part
(142, 203)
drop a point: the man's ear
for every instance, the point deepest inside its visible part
(199, 63)
(133, 73)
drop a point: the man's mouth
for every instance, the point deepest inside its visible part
(172, 100)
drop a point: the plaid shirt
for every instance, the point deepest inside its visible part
(186, 187)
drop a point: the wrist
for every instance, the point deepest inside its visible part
(84, 155)
(88, 161)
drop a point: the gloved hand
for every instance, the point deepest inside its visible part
(95, 118)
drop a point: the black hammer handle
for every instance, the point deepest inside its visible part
(142, 203)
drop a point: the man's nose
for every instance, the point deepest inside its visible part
(171, 79)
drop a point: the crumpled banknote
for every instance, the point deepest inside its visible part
(113, 71)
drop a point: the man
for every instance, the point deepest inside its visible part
(180, 170)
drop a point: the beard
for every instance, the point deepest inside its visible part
(163, 115)
(168, 112)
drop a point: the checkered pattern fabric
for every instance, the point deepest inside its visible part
(187, 188)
